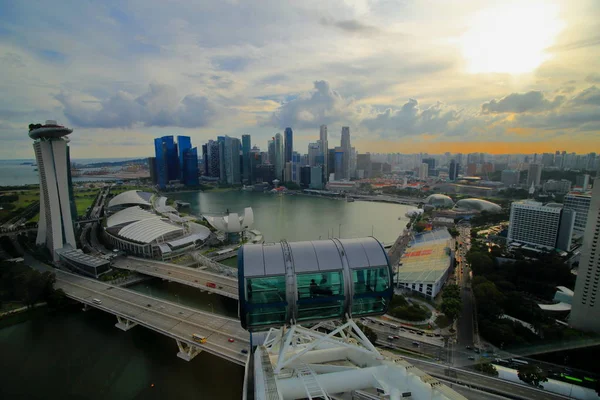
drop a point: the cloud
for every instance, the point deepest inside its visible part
(410, 119)
(590, 96)
(593, 78)
(349, 25)
(533, 101)
(160, 106)
(322, 106)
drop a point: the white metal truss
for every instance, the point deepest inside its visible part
(298, 334)
(311, 383)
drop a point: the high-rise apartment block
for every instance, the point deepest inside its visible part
(57, 207)
(585, 314)
(423, 171)
(580, 203)
(546, 226)
(510, 177)
(534, 175)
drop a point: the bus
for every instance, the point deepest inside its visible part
(97, 301)
(199, 338)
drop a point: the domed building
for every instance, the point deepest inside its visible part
(439, 201)
(477, 205)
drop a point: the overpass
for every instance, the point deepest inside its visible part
(198, 278)
(173, 320)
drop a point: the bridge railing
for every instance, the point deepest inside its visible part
(216, 266)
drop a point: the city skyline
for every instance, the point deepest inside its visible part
(118, 82)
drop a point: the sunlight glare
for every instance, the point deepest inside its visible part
(512, 38)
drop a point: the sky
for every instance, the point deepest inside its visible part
(405, 75)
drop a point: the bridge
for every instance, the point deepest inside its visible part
(195, 277)
(173, 320)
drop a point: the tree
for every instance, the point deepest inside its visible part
(487, 368)
(420, 226)
(369, 333)
(453, 231)
(451, 291)
(532, 374)
(451, 307)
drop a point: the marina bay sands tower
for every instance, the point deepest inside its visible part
(55, 226)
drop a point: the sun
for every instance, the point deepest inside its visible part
(511, 38)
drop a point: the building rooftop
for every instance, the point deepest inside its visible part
(428, 258)
(148, 230)
(130, 214)
(131, 197)
(80, 257)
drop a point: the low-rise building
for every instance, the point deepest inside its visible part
(425, 265)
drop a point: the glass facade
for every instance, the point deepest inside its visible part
(266, 301)
(190, 167)
(370, 290)
(320, 295)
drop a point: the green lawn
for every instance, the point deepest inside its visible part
(28, 197)
(85, 199)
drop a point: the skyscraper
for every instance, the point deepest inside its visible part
(580, 203)
(363, 165)
(314, 150)
(55, 226)
(584, 313)
(271, 152)
(229, 154)
(534, 175)
(430, 166)
(347, 151)
(212, 159)
(453, 170)
(339, 168)
(324, 150)
(246, 168)
(167, 160)
(279, 156)
(190, 167)
(183, 143)
(289, 144)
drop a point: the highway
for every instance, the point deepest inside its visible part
(465, 322)
(198, 278)
(161, 316)
(486, 383)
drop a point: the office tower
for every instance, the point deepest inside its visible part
(229, 155)
(287, 171)
(346, 151)
(152, 169)
(330, 165)
(205, 159)
(256, 158)
(167, 160)
(554, 186)
(584, 313)
(246, 169)
(352, 164)
(289, 144)
(580, 203)
(549, 226)
(296, 164)
(314, 150)
(340, 167)
(183, 143)
(423, 171)
(510, 177)
(316, 177)
(363, 166)
(271, 152)
(55, 226)
(324, 149)
(211, 159)
(430, 166)
(305, 176)
(453, 170)
(264, 173)
(279, 156)
(190, 167)
(534, 175)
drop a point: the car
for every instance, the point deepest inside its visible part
(476, 350)
(468, 347)
(244, 351)
(148, 305)
(231, 340)
(471, 358)
(391, 338)
(417, 344)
